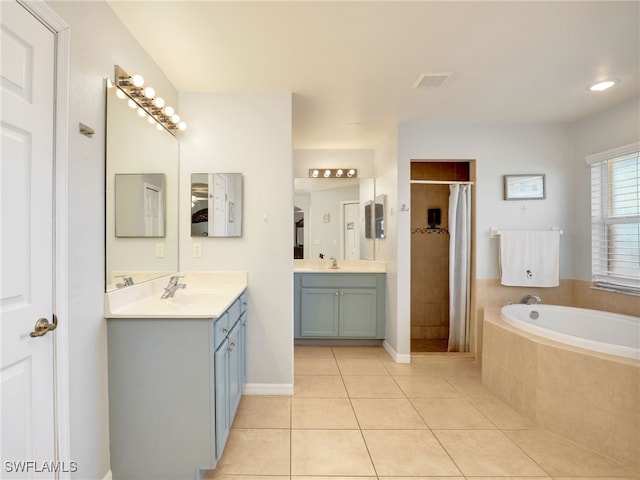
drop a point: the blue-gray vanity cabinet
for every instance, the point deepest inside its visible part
(172, 396)
(339, 305)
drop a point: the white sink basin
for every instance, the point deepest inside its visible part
(344, 266)
(207, 295)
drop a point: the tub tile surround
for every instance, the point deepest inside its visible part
(445, 424)
(590, 398)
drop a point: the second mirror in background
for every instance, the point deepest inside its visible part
(216, 204)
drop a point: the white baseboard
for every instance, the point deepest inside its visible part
(397, 357)
(268, 389)
(108, 476)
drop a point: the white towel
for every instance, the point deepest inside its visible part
(530, 258)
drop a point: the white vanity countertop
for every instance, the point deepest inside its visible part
(207, 295)
(344, 266)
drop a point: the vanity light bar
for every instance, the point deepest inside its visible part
(147, 102)
(333, 173)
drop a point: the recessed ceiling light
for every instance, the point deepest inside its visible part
(601, 86)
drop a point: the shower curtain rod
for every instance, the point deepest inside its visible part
(439, 182)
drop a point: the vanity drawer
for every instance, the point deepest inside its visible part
(234, 312)
(243, 302)
(220, 329)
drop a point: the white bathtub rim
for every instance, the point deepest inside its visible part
(493, 315)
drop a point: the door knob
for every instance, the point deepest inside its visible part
(42, 327)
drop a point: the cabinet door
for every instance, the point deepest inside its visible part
(222, 396)
(358, 312)
(235, 369)
(243, 349)
(319, 312)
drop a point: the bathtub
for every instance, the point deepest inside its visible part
(571, 371)
(595, 330)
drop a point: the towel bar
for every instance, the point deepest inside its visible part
(495, 232)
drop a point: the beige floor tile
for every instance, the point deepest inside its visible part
(501, 414)
(256, 452)
(312, 351)
(408, 452)
(319, 477)
(596, 478)
(263, 412)
(511, 478)
(421, 386)
(560, 457)
(359, 352)
(451, 414)
(319, 386)
(486, 452)
(315, 366)
(470, 387)
(372, 386)
(420, 478)
(402, 369)
(361, 366)
(213, 475)
(326, 413)
(387, 413)
(329, 452)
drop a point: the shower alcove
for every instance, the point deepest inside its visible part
(430, 238)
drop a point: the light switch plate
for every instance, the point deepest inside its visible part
(159, 250)
(197, 250)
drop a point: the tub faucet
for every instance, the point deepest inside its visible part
(529, 299)
(173, 285)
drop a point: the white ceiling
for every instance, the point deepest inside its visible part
(351, 65)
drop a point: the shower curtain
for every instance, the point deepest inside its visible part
(459, 266)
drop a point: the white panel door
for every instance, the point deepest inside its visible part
(26, 244)
(351, 231)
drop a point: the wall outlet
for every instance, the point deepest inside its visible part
(197, 250)
(159, 250)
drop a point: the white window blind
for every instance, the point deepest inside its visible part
(615, 221)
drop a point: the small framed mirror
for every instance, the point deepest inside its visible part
(140, 205)
(216, 204)
(524, 187)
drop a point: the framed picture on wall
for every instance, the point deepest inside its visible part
(524, 187)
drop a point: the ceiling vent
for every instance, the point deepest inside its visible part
(431, 80)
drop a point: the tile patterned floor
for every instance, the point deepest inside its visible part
(358, 415)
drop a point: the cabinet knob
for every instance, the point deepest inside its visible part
(337, 293)
(225, 330)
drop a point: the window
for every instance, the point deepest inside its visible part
(615, 219)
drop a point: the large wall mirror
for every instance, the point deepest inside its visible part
(142, 169)
(216, 205)
(330, 218)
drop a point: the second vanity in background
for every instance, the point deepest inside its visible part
(339, 304)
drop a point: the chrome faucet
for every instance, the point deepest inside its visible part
(127, 281)
(334, 264)
(173, 285)
(529, 299)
